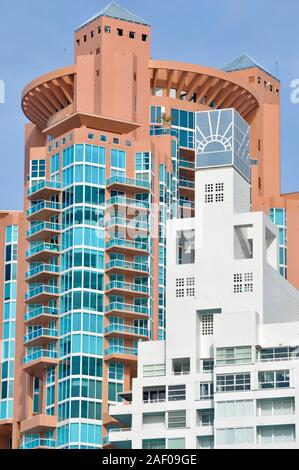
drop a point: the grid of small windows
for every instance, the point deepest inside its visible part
(207, 324)
(243, 283)
(233, 382)
(214, 192)
(185, 287)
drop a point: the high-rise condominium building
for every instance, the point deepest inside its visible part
(227, 375)
(109, 158)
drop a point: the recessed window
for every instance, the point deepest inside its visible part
(78, 42)
(99, 30)
(116, 140)
(85, 38)
(91, 34)
(103, 138)
(107, 29)
(98, 50)
(128, 143)
(144, 37)
(90, 136)
(98, 73)
(120, 32)
(132, 35)
(63, 141)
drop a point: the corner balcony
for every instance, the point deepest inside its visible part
(42, 252)
(39, 444)
(36, 363)
(124, 267)
(121, 354)
(40, 337)
(43, 190)
(123, 202)
(41, 294)
(130, 311)
(43, 231)
(41, 316)
(121, 183)
(127, 246)
(39, 423)
(42, 273)
(126, 332)
(44, 210)
(128, 289)
(133, 227)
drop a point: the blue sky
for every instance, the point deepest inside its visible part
(36, 37)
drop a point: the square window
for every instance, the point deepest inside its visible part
(144, 37)
(132, 35)
(107, 29)
(120, 32)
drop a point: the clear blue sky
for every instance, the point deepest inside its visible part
(37, 36)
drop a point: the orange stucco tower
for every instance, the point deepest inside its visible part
(109, 157)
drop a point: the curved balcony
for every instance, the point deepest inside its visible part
(43, 210)
(127, 246)
(43, 190)
(39, 444)
(126, 332)
(48, 95)
(41, 294)
(41, 316)
(43, 231)
(128, 289)
(121, 354)
(40, 337)
(36, 363)
(130, 311)
(121, 183)
(121, 201)
(42, 273)
(118, 266)
(42, 252)
(133, 227)
(213, 89)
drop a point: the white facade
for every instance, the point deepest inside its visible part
(227, 375)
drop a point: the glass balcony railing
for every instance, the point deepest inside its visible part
(41, 354)
(189, 204)
(132, 330)
(42, 247)
(43, 185)
(37, 443)
(186, 164)
(41, 311)
(155, 130)
(123, 201)
(41, 227)
(129, 223)
(51, 290)
(120, 242)
(121, 350)
(136, 288)
(53, 333)
(187, 184)
(130, 308)
(128, 182)
(43, 205)
(117, 263)
(43, 268)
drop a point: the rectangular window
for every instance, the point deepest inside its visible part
(177, 392)
(234, 356)
(276, 434)
(181, 366)
(177, 419)
(274, 379)
(38, 169)
(118, 159)
(234, 436)
(276, 407)
(235, 409)
(233, 382)
(154, 370)
(153, 444)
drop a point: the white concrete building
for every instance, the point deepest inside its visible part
(227, 375)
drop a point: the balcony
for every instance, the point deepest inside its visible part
(158, 131)
(42, 273)
(43, 231)
(125, 267)
(43, 210)
(40, 337)
(134, 312)
(128, 289)
(42, 252)
(132, 226)
(36, 363)
(38, 423)
(41, 294)
(39, 444)
(41, 316)
(124, 331)
(186, 184)
(127, 246)
(43, 190)
(121, 354)
(186, 164)
(121, 183)
(120, 201)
